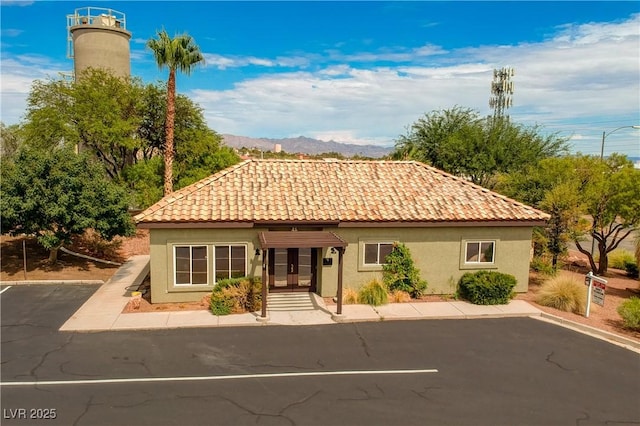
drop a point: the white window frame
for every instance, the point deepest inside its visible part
(479, 242)
(229, 245)
(377, 243)
(175, 264)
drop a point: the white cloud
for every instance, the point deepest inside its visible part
(223, 62)
(584, 72)
(11, 32)
(16, 3)
(18, 74)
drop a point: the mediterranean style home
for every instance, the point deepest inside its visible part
(321, 225)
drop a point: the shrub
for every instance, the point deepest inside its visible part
(221, 304)
(629, 310)
(565, 294)
(487, 287)
(349, 296)
(399, 272)
(399, 296)
(373, 293)
(542, 265)
(618, 259)
(236, 295)
(632, 269)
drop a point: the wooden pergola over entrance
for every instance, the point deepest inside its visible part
(299, 239)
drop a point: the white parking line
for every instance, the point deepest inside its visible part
(202, 378)
(5, 289)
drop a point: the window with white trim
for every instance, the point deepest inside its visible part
(376, 253)
(482, 252)
(191, 265)
(230, 261)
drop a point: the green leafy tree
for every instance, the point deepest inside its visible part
(121, 123)
(198, 150)
(553, 186)
(463, 143)
(56, 194)
(400, 273)
(144, 181)
(177, 54)
(585, 196)
(612, 201)
(100, 114)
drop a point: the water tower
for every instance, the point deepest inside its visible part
(98, 38)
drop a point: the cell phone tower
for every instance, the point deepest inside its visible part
(501, 91)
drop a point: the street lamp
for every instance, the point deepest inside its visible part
(604, 135)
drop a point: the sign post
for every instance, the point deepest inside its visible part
(595, 291)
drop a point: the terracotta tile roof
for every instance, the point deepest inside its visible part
(335, 191)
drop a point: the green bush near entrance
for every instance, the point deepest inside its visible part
(399, 272)
(373, 293)
(487, 287)
(236, 295)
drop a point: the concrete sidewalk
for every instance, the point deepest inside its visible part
(103, 310)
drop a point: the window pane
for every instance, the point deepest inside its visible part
(222, 262)
(199, 278)
(183, 259)
(238, 261)
(473, 250)
(370, 254)
(183, 278)
(281, 267)
(199, 265)
(487, 252)
(304, 267)
(183, 265)
(385, 250)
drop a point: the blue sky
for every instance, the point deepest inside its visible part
(361, 72)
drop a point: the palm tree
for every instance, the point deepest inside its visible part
(178, 53)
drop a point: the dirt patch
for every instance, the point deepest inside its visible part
(146, 306)
(68, 267)
(619, 288)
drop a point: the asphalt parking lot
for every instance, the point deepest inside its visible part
(458, 372)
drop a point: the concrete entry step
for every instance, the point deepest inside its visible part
(290, 302)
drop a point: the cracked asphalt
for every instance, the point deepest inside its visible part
(490, 372)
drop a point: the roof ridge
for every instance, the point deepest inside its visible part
(326, 160)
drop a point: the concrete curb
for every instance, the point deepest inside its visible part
(53, 282)
(587, 329)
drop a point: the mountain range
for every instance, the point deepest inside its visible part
(304, 145)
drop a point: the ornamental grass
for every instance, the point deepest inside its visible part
(563, 293)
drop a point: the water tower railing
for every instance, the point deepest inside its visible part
(95, 16)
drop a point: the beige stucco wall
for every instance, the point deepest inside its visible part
(161, 267)
(437, 252)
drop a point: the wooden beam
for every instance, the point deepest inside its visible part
(340, 253)
(264, 283)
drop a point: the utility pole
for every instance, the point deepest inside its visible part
(501, 91)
